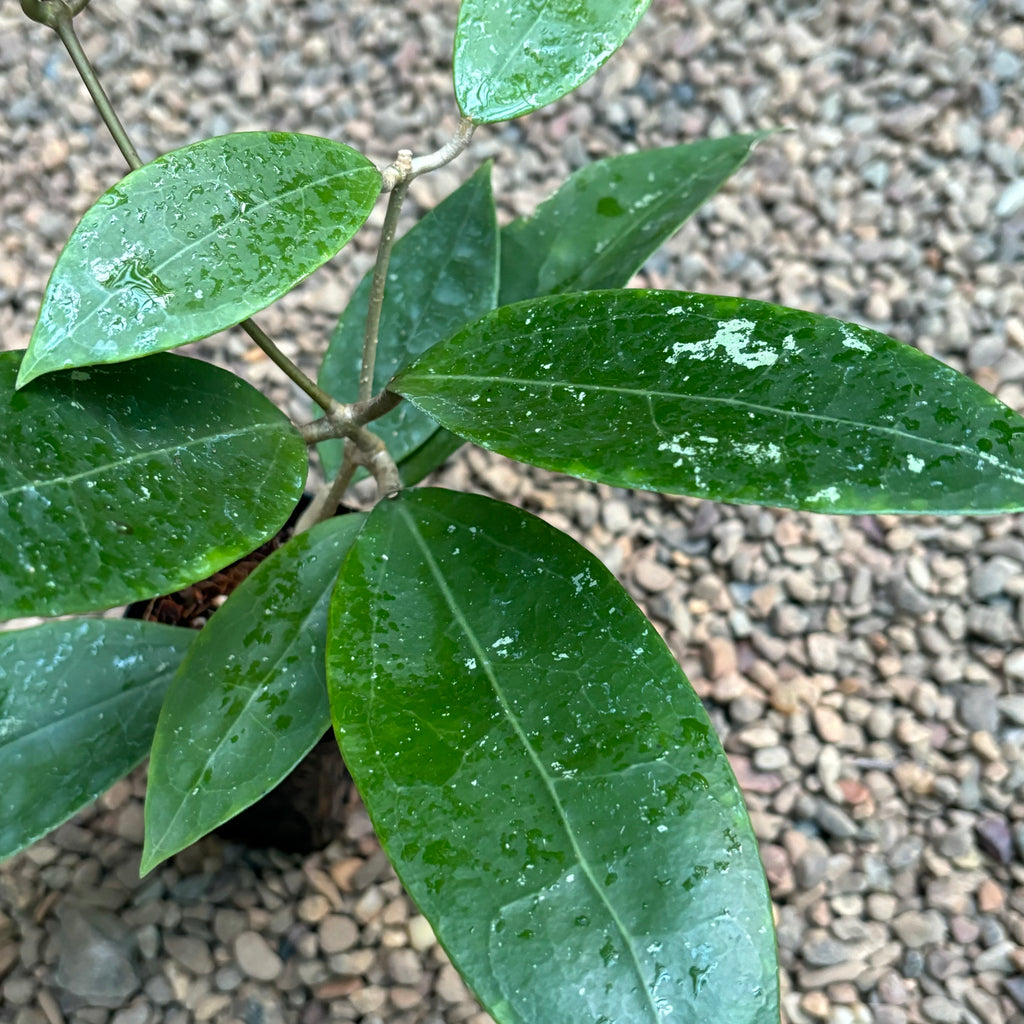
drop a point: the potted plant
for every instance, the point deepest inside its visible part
(539, 770)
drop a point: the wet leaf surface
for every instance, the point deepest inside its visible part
(443, 273)
(118, 483)
(724, 398)
(596, 231)
(600, 226)
(542, 775)
(249, 702)
(197, 241)
(78, 705)
(516, 56)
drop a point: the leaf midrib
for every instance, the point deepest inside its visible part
(500, 74)
(99, 470)
(277, 199)
(649, 393)
(258, 689)
(130, 695)
(549, 784)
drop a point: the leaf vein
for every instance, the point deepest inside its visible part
(549, 783)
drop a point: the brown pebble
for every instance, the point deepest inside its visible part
(405, 998)
(816, 1005)
(653, 576)
(990, 896)
(854, 792)
(719, 657)
(337, 988)
(828, 723)
(343, 870)
(322, 882)
(313, 908)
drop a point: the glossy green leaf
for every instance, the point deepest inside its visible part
(118, 483)
(197, 241)
(724, 398)
(249, 701)
(600, 226)
(443, 273)
(78, 705)
(542, 775)
(516, 56)
(436, 450)
(597, 230)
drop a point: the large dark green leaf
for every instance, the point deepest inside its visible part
(542, 775)
(122, 482)
(515, 56)
(78, 705)
(249, 701)
(600, 226)
(597, 230)
(724, 398)
(196, 241)
(443, 273)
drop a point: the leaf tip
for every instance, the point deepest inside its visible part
(149, 860)
(27, 372)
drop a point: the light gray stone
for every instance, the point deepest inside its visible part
(97, 956)
(255, 957)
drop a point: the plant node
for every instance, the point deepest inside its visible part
(49, 12)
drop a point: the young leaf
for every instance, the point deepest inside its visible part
(249, 702)
(724, 398)
(516, 56)
(118, 483)
(443, 273)
(78, 704)
(600, 226)
(197, 241)
(541, 774)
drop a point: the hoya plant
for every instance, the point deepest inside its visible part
(538, 768)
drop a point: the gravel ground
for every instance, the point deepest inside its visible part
(866, 674)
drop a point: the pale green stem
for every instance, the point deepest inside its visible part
(380, 276)
(403, 170)
(65, 29)
(341, 421)
(280, 360)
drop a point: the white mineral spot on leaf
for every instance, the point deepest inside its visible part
(760, 452)
(914, 464)
(850, 339)
(829, 494)
(735, 337)
(1013, 474)
(676, 448)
